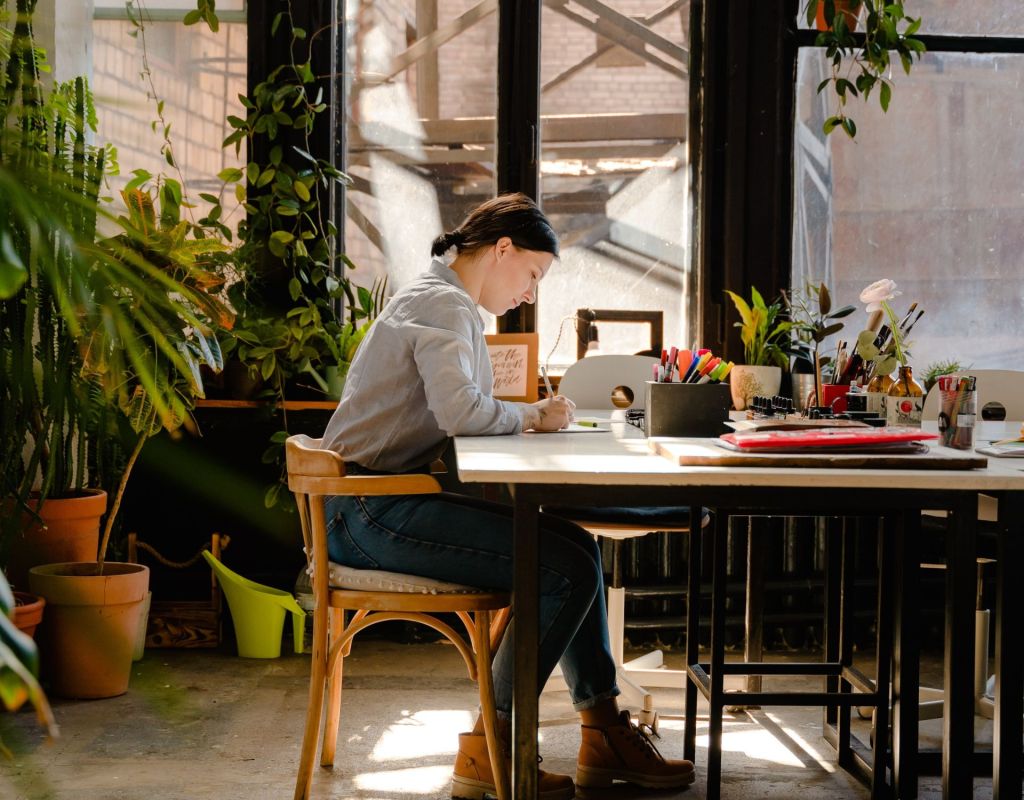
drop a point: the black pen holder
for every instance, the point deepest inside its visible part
(687, 409)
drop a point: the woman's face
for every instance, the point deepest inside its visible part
(513, 277)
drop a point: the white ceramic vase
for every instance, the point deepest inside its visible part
(746, 381)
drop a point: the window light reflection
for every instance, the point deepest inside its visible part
(423, 733)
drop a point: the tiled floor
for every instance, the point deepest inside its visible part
(205, 725)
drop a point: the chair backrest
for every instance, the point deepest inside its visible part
(1000, 395)
(608, 382)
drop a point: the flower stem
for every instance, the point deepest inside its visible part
(894, 326)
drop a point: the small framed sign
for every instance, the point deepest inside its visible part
(514, 363)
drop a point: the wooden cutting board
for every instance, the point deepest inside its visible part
(705, 453)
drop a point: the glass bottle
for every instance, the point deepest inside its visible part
(905, 401)
(877, 389)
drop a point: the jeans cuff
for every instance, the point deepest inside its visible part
(590, 702)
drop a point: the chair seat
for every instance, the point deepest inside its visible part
(650, 518)
(375, 580)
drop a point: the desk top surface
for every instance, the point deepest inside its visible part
(620, 455)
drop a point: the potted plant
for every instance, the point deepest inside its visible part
(96, 601)
(886, 30)
(813, 321)
(92, 328)
(765, 335)
(19, 665)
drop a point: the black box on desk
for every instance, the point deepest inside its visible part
(686, 409)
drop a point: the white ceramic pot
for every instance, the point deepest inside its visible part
(746, 382)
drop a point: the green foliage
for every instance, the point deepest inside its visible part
(286, 230)
(287, 242)
(869, 54)
(89, 327)
(19, 667)
(813, 321)
(763, 330)
(938, 368)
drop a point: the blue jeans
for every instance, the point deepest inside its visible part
(460, 539)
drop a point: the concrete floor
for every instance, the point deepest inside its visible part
(205, 725)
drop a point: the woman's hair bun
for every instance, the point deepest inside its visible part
(446, 241)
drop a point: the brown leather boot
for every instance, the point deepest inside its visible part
(473, 778)
(622, 752)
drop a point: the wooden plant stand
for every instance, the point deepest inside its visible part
(183, 623)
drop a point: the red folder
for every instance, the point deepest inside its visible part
(824, 438)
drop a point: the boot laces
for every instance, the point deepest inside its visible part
(642, 741)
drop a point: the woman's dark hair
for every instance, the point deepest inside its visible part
(513, 215)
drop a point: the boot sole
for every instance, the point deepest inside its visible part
(470, 789)
(597, 778)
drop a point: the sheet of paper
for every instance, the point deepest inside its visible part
(574, 428)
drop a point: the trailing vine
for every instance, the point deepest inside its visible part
(868, 55)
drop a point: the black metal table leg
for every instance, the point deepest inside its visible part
(883, 657)
(526, 601)
(958, 719)
(692, 629)
(906, 679)
(753, 646)
(1007, 725)
(833, 566)
(719, 529)
(844, 752)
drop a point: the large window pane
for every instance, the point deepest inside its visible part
(198, 74)
(421, 128)
(929, 195)
(614, 107)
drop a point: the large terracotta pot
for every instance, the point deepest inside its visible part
(850, 9)
(747, 381)
(88, 637)
(70, 531)
(28, 612)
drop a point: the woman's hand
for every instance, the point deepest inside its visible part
(550, 414)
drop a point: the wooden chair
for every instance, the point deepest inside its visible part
(375, 596)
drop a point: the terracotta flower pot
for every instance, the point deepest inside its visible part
(28, 612)
(848, 8)
(88, 637)
(70, 532)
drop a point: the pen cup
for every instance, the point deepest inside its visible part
(833, 396)
(957, 413)
(686, 409)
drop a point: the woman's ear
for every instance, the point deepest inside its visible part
(502, 246)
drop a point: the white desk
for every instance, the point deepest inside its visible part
(617, 468)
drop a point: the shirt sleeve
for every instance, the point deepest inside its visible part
(444, 353)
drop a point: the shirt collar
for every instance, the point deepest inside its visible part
(441, 270)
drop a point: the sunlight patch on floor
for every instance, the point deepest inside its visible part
(426, 781)
(755, 743)
(422, 733)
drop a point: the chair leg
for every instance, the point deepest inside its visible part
(337, 623)
(314, 711)
(485, 682)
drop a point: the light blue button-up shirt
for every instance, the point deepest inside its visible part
(422, 374)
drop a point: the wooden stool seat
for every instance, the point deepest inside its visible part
(314, 474)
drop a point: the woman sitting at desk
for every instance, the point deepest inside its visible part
(422, 375)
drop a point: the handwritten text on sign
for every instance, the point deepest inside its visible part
(509, 365)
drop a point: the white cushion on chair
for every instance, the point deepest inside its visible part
(375, 580)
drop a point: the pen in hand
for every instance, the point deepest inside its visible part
(547, 381)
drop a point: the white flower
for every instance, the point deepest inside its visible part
(879, 292)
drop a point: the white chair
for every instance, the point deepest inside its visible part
(606, 382)
(619, 382)
(1000, 397)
